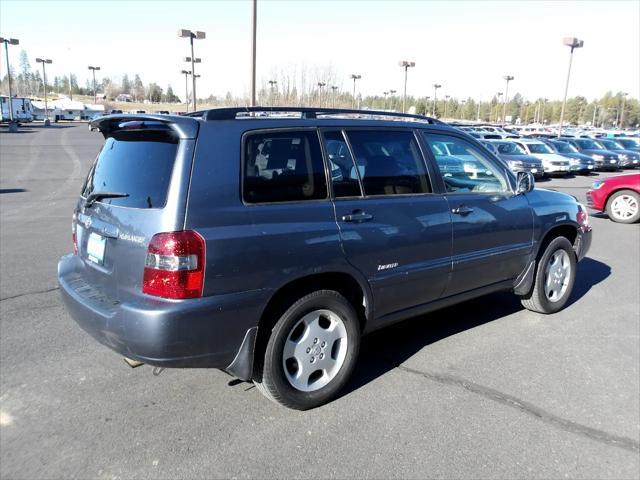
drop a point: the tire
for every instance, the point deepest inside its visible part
(554, 281)
(322, 329)
(624, 206)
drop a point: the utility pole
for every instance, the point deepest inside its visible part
(435, 97)
(406, 65)
(508, 78)
(573, 43)
(355, 77)
(43, 61)
(183, 33)
(94, 82)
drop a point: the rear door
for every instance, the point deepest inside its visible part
(393, 228)
(492, 227)
(149, 164)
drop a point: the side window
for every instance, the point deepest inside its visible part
(464, 167)
(283, 167)
(389, 162)
(344, 175)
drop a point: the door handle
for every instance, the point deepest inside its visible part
(357, 216)
(462, 210)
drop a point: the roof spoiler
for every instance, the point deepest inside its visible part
(184, 127)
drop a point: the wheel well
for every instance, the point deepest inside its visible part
(567, 231)
(342, 283)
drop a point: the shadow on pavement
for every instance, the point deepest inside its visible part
(12, 190)
(385, 349)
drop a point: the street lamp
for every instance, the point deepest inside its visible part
(334, 89)
(406, 65)
(13, 125)
(624, 100)
(94, 81)
(446, 104)
(507, 78)
(320, 85)
(186, 74)
(355, 77)
(183, 33)
(44, 81)
(573, 43)
(435, 97)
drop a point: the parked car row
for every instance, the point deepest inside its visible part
(545, 154)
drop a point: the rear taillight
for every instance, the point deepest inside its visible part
(174, 267)
(74, 237)
(582, 217)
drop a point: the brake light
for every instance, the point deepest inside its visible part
(174, 267)
(582, 217)
(74, 237)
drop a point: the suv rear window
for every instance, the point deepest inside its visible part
(135, 162)
(283, 167)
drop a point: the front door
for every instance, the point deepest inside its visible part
(492, 227)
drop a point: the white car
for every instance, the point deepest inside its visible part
(553, 163)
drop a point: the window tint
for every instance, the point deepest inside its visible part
(344, 175)
(283, 167)
(464, 167)
(389, 162)
(138, 163)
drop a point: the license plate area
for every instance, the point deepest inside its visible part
(96, 245)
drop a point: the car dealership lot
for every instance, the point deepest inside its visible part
(484, 389)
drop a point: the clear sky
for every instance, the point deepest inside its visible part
(467, 46)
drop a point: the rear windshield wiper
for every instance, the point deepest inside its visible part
(94, 197)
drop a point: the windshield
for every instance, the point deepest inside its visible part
(610, 145)
(539, 148)
(509, 148)
(564, 147)
(629, 142)
(588, 144)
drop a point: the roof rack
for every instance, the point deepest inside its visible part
(305, 112)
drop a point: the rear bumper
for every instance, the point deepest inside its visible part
(203, 332)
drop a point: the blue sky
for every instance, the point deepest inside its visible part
(467, 46)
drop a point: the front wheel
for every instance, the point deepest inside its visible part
(311, 352)
(555, 276)
(624, 206)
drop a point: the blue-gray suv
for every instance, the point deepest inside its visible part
(267, 241)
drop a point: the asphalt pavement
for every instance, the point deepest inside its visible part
(484, 389)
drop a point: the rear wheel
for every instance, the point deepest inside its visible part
(624, 206)
(311, 352)
(555, 276)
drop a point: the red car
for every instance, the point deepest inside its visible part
(619, 196)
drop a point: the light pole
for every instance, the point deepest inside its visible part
(384, 105)
(406, 65)
(320, 85)
(183, 33)
(43, 61)
(94, 82)
(355, 77)
(435, 98)
(446, 104)
(624, 101)
(391, 94)
(254, 27)
(334, 89)
(13, 125)
(507, 78)
(272, 84)
(573, 43)
(186, 74)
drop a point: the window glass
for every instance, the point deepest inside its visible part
(464, 167)
(389, 162)
(344, 175)
(539, 148)
(283, 167)
(136, 162)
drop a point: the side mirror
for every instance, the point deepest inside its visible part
(524, 182)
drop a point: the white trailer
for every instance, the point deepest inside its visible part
(22, 109)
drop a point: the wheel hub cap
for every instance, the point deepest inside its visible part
(315, 350)
(624, 207)
(557, 275)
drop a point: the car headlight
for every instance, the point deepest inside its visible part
(515, 163)
(574, 161)
(597, 184)
(622, 156)
(597, 156)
